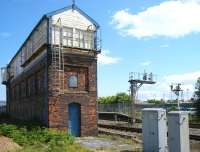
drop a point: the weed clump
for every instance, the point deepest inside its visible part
(40, 139)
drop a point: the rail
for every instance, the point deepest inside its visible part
(132, 130)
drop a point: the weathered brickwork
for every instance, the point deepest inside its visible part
(85, 94)
(26, 97)
(30, 98)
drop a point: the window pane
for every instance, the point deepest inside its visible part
(73, 82)
(56, 35)
(67, 36)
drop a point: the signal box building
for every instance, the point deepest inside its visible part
(53, 76)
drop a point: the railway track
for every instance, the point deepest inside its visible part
(114, 116)
(195, 126)
(127, 131)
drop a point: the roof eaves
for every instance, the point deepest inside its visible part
(58, 11)
(88, 17)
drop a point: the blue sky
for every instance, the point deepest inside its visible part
(159, 36)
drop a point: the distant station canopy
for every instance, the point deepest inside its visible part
(144, 78)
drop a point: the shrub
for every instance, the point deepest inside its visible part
(35, 137)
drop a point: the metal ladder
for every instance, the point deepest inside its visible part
(58, 64)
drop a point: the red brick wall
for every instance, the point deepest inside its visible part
(85, 94)
(26, 96)
(81, 73)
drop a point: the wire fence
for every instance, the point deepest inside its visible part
(123, 107)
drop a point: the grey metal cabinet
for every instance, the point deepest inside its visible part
(178, 132)
(154, 130)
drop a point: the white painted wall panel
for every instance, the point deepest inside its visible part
(72, 18)
(74, 29)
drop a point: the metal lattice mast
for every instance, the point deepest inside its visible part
(136, 81)
(176, 89)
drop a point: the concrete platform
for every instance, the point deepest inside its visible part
(109, 144)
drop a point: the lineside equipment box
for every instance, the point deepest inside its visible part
(154, 130)
(178, 132)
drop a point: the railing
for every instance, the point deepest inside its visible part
(142, 76)
(77, 38)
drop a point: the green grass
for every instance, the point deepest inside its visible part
(43, 148)
(40, 139)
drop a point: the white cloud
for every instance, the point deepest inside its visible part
(146, 63)
(186, 77)
(164, 46)
(104, 58)
(5, 34)
(162, 88)
(174, 18)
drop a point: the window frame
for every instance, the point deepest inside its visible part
(85, 39)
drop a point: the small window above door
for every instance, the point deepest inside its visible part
(73, 81)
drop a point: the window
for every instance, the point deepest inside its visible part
(17, 92)
(23, 89)
(12, 93)
(73, 81)
(67, 36)
(89, 40)
(32, 85)
(28, 87)
(55, 35)
(40, 82)
(84, 39)
(23, 55)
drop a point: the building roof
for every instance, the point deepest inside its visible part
(49, 15)
(75, 8)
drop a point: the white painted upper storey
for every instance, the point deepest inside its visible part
(69, 27)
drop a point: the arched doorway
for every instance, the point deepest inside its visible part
(74, 121)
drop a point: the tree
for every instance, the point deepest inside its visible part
(154, 101)
(197, 98)
(119, 97)
(123, 97)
